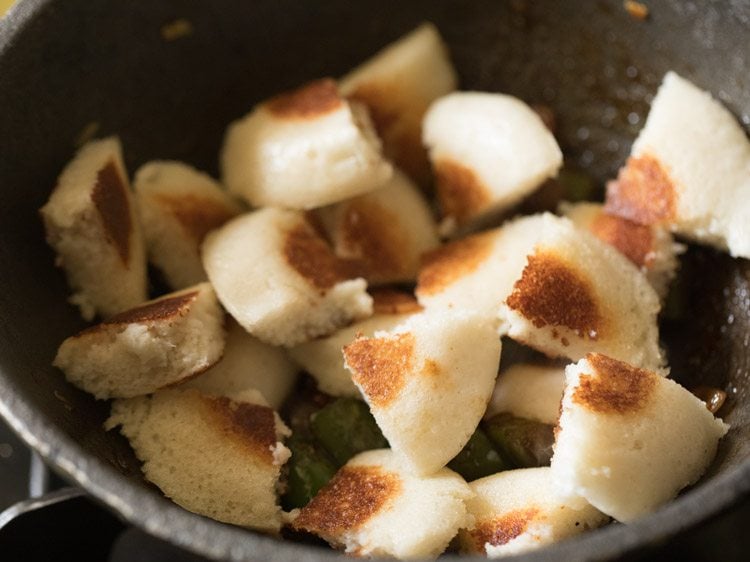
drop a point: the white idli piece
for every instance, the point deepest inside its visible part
(178, 206)
(477, 273)
(689, 169)
(529, 391)
(397, 85)
(141, 350)
(578, 294)
(280, 280)
(384, 233)
(303, 149)
(651, 248)
(91, 224)
(629, 440)
(216, 456)
(248, 363)
(520, 510)
(375, 506)
(323, 357)
(488, 151)
(427, 383)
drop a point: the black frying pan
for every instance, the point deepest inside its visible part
(67, 64)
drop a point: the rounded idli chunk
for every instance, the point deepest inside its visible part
(384, 233)
(651, 248)
(529, 391)
(323, 357)
(375, 506)
(689, 169)
(427, 383)
(577, 295)
(629, 440)
(488, 151)
(141, 350)
(303, 149)
(249, 364)
(397, 85)
(91, 224)
(516, 511)
(178, 206)
(280, 280)
(215, 456)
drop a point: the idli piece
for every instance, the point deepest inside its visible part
(91, 224)
(529, 391)
(213, 455)
(397, 85)
(280, 280)
(689, 170)
(323, 357)
(477, 273)
(427, 383)
(375, 506)
(651, 248)
(178, 206)
(141, 350)
(248, 363)
(488, 151)
(384, 233)
(629, 440)
(303, 149)
(578, 294)
(516, 511)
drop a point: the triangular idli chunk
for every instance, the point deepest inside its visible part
(178, 206)
(216, 456)
(529, 391)
(323, 357)
(280, 280)
(384, 233)
(488, 151)
(578, 294)
(375, 506)
(629, 440)
(427, 383)
(397, 85)
(157, 344)
(689, 169)
(92, 225)
(520, 510)
(303, 149)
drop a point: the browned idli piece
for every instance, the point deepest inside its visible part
(178, 206)
(91, 223)
(141, 350)
(529, 391)
(303, 149)
(216, 456)
(280, 280)
(375, 506)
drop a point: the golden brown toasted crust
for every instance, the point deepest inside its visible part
(252, 425)
(634, 241)
(551, 292)
(380, 365)
(374, 238)
(502, 530)
(154, 311)
(615, 388)
(446, 264)
(349, 500)
(196, 215)
(310, 256)
(391, 301)
(643, 192)
(460, 192)
(307, 102)
(111, 202)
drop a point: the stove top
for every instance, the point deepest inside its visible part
(70, 526)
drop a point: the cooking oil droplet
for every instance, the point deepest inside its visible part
(633, 118)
